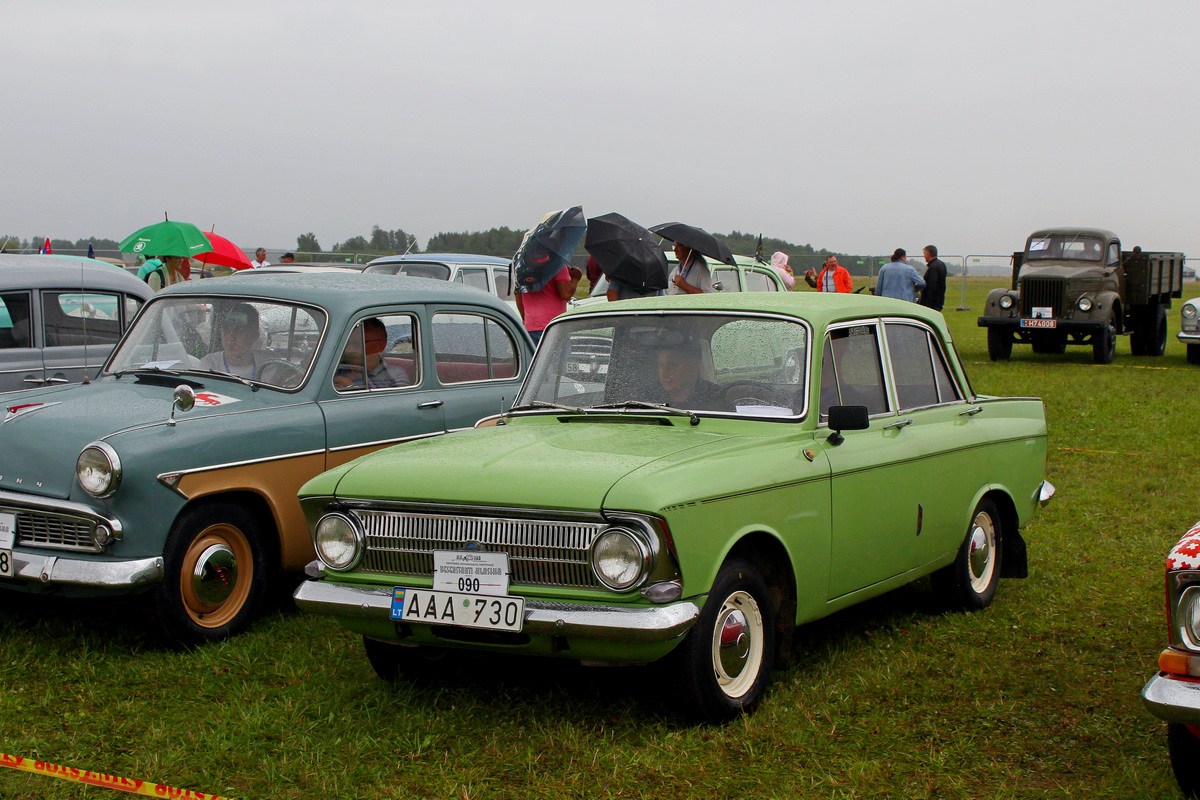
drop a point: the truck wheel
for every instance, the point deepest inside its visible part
(724, 663)
(1193, 353)
(970, 582)
(1104, 343)
(999, 344)
(1184, 748)
(216, 574)
(1158, 345)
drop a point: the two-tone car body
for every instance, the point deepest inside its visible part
(60, 317)
(687, 478)
(1173, 694)
(175, 471)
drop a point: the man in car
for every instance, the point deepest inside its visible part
(679, 375)
(379, 374)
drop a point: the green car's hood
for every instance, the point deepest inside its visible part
(43, 431)
(530, 464)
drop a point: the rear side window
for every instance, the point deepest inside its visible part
(472, 347)
(75, 318)
(851, 371)
(503, 287)
(14, 321)
(758, 282)
(474, 277)
(918, 367)
(728, 278)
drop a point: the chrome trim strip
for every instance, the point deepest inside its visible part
(542, 617)
(263, 460)
(385, 442)
(1045, 492)
(58, 570)
(1172, 699)
(162, 422)
(556, 515)
(55, 506)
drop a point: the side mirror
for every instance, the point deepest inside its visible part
(846, 418)
(717, 286)
(185, 400)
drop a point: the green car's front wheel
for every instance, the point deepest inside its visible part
(1184, 748)
(216, 574)
(726, 658)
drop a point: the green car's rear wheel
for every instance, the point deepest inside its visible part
(970, 582)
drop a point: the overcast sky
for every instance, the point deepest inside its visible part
(859, 126)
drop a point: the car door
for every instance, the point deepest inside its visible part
(79, 329)
(479, 359)
(20, 358)
(942, 432)
(368, 403)
(873, 485)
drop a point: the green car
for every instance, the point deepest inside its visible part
(686, 478)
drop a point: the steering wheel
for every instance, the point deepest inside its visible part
(290, 373)
(750, 393)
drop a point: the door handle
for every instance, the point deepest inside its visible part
(430, 404)
(58, 380)
(899, 424)
(970, 412)
(37, 381)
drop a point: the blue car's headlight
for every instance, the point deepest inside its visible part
(98, 469)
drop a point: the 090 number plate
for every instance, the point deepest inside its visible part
(491, 612)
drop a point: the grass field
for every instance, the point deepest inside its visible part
(1035, 697)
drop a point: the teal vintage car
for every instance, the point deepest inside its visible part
(687, 478)
(175, 471)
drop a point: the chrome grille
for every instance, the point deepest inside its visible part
(45, 529)
(540, 552)
(1042, 293)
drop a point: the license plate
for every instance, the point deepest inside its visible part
(8, 534)
(1039, 323)
(491, 612)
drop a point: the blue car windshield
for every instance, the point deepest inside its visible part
(268, 342)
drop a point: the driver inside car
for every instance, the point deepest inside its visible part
(239, 333)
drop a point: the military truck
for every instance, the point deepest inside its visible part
(1075, 286)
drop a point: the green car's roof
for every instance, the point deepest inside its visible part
(340, 292)
(819, 308)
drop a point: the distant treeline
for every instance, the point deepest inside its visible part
(15, 244)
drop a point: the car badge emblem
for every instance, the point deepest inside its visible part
(471, 546)
(15, 411)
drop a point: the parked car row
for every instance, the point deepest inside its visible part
(631, 513)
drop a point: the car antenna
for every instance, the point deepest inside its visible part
(410, 246)
(501, 420)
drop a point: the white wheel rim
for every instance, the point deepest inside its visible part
(981, 560)
(737, 644)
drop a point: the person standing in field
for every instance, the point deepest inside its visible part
(833, 278)
(260, 258)
(934, 294)
(899, 280)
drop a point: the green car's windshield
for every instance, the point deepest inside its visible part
(267, 342)
(704, 362)
(1064, 248)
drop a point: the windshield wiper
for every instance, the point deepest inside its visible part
(679, 412)
(541, 404)
(226, 376)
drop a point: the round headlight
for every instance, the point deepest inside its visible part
(1187, 617)
(1006, 301)
(339, 542)
(1189, 311)
(98, 470)
(1085, 304)
(619, 558)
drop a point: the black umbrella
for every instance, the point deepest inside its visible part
(627, 252)
(548, 248)
(697, 239)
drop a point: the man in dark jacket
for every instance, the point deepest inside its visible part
(934, 294)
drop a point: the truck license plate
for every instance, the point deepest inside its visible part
(492, 612)
(1039, 323)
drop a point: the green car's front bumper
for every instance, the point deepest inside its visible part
(587, 632)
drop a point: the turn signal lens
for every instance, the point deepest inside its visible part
(1174, 662)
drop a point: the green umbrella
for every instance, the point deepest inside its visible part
(167, 239)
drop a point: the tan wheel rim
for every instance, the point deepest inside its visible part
(215, 578)
(981, 558)
(737, 644)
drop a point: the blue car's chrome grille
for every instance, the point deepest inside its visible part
(57, 531)
(540, 553)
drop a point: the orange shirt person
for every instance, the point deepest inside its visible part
(833, 278)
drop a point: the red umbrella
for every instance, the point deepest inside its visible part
(224, 254)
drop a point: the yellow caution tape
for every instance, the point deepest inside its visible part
(145, 788)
